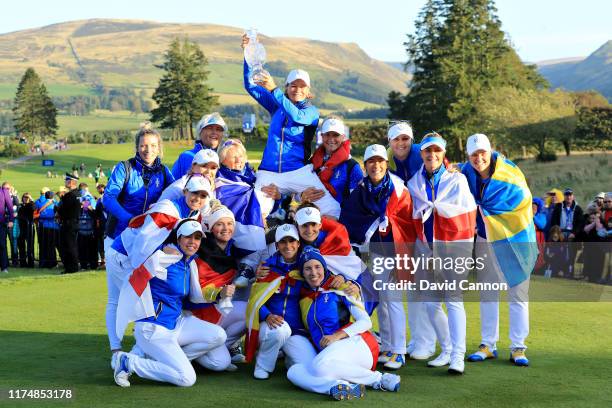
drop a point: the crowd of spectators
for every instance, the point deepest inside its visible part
(574, 242)
(30, 228)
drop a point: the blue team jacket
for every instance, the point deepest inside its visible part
(327, 313)
(291, 129)
(285, 302)
(183, 163)
(168, 295)
(137, 198)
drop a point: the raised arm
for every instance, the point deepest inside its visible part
(258, 92)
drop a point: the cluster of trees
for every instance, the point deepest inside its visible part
(101, 137)
(113, 99)
(468, 79)
(182, 95)
(237, 111)
(34, 113)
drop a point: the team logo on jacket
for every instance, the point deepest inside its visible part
(156, 182)
(326, 298)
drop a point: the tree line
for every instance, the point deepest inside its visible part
(468, 78)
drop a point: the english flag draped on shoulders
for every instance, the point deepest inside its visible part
(505, 204)
(237, 193)
(135, 299)
(453, 205)
(146, 232)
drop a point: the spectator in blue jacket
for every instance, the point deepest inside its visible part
(210, 130)
(286, 156)
(332, 162)
(50, 232)
(39, 227)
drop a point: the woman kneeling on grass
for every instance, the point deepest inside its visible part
(154, 297)
(347, 351)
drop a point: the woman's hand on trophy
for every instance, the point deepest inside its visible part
(245, 41)
(264, 79)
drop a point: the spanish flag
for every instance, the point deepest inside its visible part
(261, 291)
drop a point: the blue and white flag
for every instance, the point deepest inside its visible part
(237, 192)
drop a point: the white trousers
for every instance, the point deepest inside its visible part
(234, 323)
(518, 319)
(297, 181)
(450, 330)
(297, 349)
(170, 351)
(115, 275)
(518, 304)
(345, 361)
(392, 325)
(422, 333)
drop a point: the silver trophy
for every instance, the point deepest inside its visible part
(255, 56)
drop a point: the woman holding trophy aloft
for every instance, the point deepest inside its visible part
(285, 161)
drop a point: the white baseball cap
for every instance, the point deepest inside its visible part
(198, 183)
(188, 228)
(296, 74)
(401, 128)
(205, 156)
(333, 125)
(375, 150)
(211, 119)
(286, 230)
(217, 214)
(308, 214)
(477, 142)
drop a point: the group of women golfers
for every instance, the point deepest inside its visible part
(193, 262)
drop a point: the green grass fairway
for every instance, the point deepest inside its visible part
(53, 333)
(30, 176)
(53, 336)
(99, 120)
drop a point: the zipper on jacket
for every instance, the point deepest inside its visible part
(158, 309)
(314, 314)
(185, 278)
(286, 298)
(280, 156)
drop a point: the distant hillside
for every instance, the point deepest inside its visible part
(593, 72)
(73, 56)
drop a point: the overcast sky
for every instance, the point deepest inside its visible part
(539, 29)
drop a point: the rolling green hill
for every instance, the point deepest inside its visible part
(593, 72)
(73, 56)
